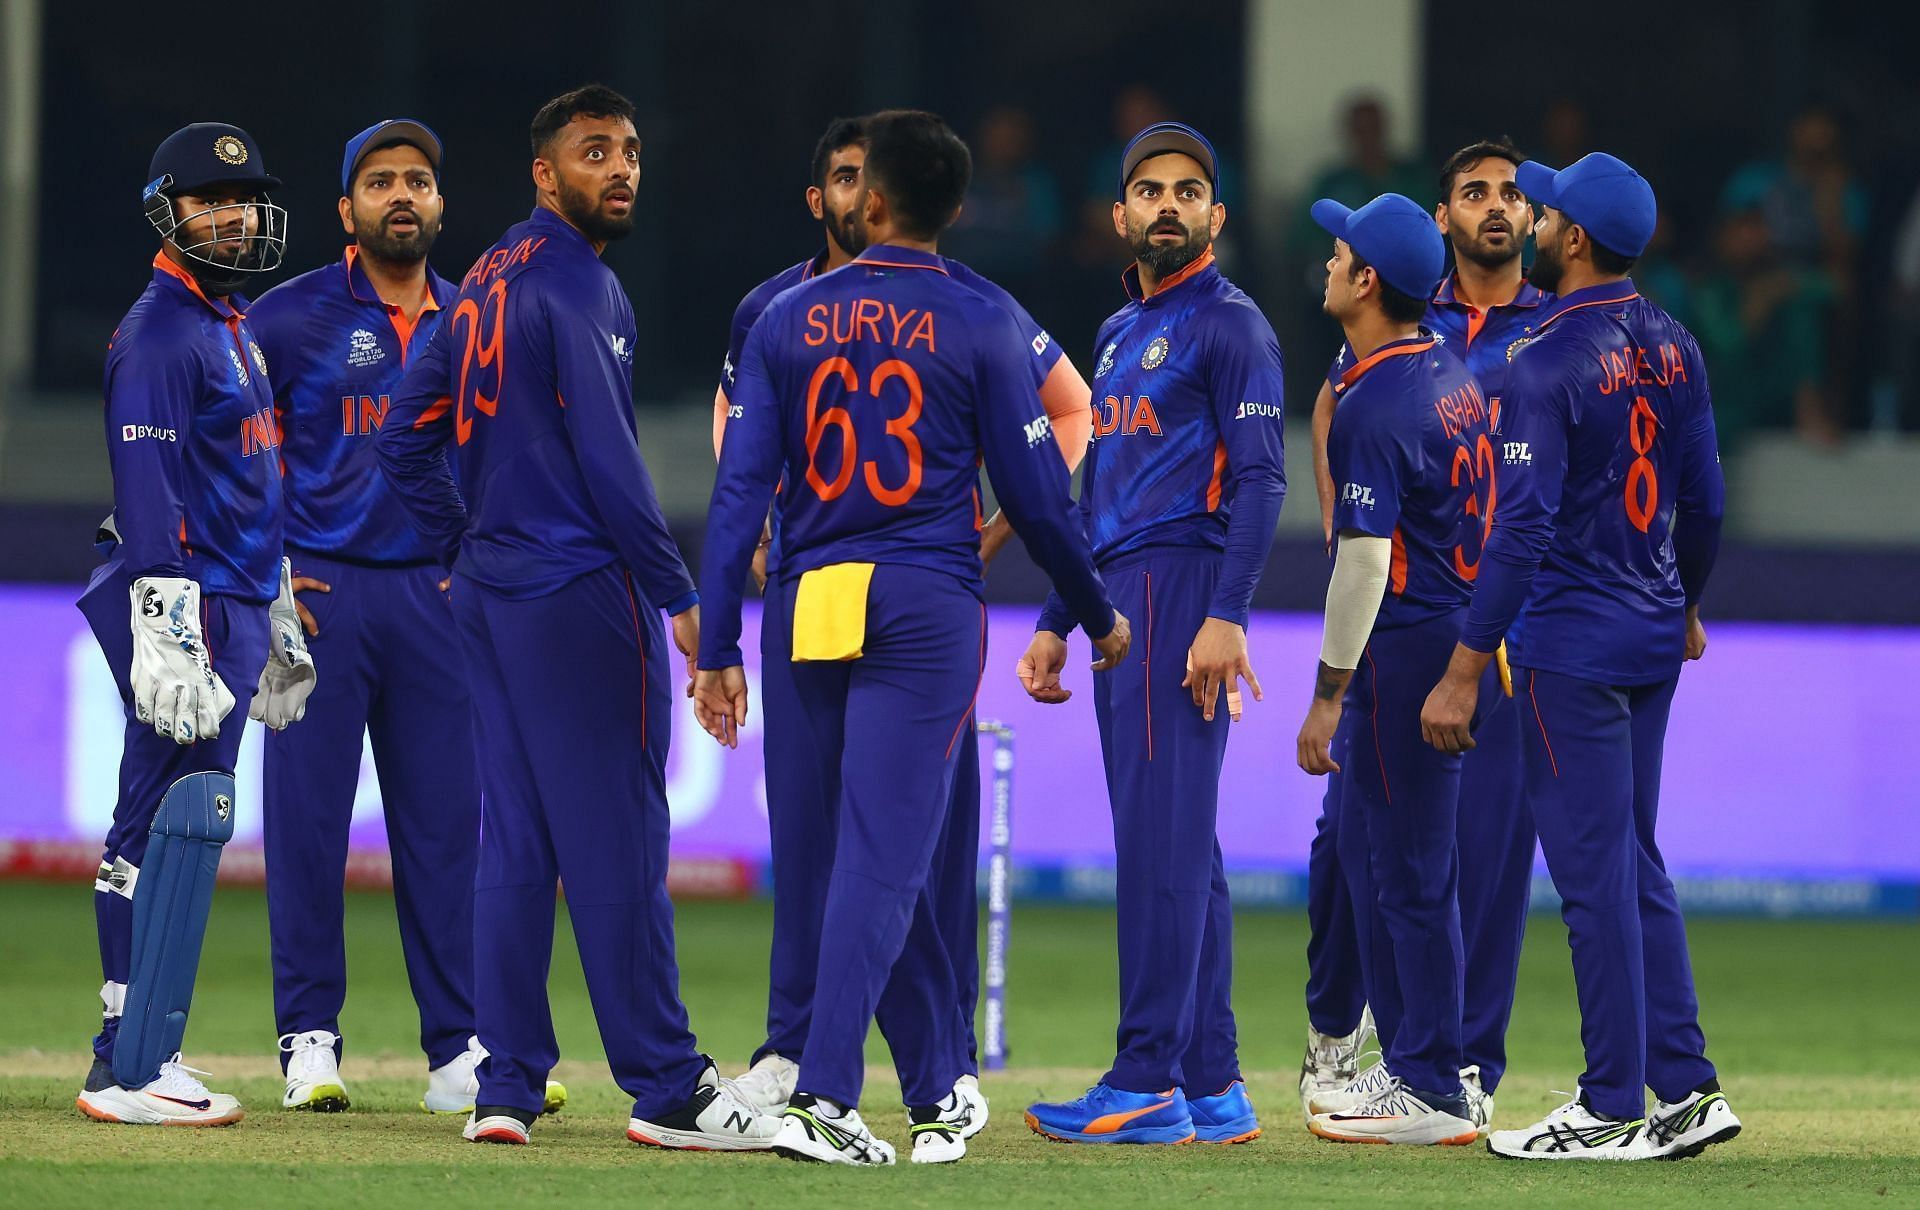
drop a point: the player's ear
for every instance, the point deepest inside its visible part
(1217, 219)
(543, 178)
(873, 208)
(346, 216)
(1120, 219)
(1440, 218)
(816, 202)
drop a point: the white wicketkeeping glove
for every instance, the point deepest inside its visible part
(175, 690)
(289, 676)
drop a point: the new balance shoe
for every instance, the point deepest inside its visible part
(936, 1133)
(768, 1084)
(1398, 1114)
(313, 1072)
(1224, 1117)
(498, 1124)
(1574, 1132)
(1353, 1094)
(1687, 1127)
(452, 1086)
(973, 1103)
(172, 1098)
(820, 1132)
(1331, 1062)
(1479, 1100)
(715, 1118)
(1105, 1114)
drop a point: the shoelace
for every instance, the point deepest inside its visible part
(181, 1079)
(305, 1049)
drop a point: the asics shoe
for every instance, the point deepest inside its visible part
(1574, 1132)
(812, 1130)
(1690, 1125)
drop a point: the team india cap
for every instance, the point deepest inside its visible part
(383, 134)
(207, 153)
(1603, 194)
(1395, 235)
(1162, 138)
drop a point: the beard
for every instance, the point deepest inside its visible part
(848, 229)
(1477, 250)
(379, 239)
(583, 210)
(1167, 259)
(1548, 267)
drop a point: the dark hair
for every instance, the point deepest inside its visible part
(920, 166)
(841, 132)
(591, 101)
(1465, 158)
(367, 153)
(1607, 261)
(1401, 307)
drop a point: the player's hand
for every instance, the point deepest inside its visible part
(1040, 668)
(720, 702)
(686, 636)
(1113, 648)
(309, 584)
(175, 689)
(1696, 634)
(759, 566)
(1218, 660)
(1315, 744)
(1446, 720)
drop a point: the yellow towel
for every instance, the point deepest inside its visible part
(1506, 670)
(830, 613)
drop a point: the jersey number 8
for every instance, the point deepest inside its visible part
(900, 428)
(1643, 482)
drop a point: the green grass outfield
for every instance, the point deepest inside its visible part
(1813, 1024)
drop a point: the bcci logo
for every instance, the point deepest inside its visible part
(230, 150)
(222, 806)
(1517, 345)
(1156, 354)
(259, 358)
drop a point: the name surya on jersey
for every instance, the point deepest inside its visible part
(861, 319)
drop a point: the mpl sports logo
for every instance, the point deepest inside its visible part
(139, 432)
(622, 348)
(1263, 411)
(1516, 453)
(1357, 494)
(1039, 429)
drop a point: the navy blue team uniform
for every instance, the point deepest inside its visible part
(802, 815)
(871, 395)
(1609, 515)
(196, 493)
(1496, 831)
(394, 669)
(1184, 482)
(563, 567)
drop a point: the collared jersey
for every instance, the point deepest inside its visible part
(1484, 339)
(1412, 462)
(1187, 430)
(1607, 451)
(873, 394)
(529, 384)
(338, 352)
(192, 441)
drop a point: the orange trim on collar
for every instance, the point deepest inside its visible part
(1193, 269)
(897, 264)
(1374, 358)
(403, 327)
(1592, 302)
(165, 265)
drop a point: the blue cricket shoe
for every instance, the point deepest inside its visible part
(1225, 1117)
(1108, 1115)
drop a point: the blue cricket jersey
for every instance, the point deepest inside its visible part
(1412, 462)
(872, 395)
(529, 382)
(337, 353)
(1483, 339)
(192, 442)
(1610, 494)
(1187, 432)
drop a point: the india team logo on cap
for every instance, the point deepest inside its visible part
(230, 150)
(1155, 355)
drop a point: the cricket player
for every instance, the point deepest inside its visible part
(1609, 519)
(1183, 485)
(803, 824)
(1483, 309)
(338, 340)
(1402, 451)
(193, 608)
(874, 393)
(563, 567)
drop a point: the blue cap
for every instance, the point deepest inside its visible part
(1603, 194)
(1395, 235)
(1162, 138)
(207, 153)
(382, 134)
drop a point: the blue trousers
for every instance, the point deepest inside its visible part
(1592, 757)
(572, 699)
(891, 723)
(236, 636)
(924, 1014)
(390, 668)
(1163, 782)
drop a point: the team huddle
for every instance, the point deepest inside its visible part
(378, 502)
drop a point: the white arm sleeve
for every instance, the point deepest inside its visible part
(1353, 599)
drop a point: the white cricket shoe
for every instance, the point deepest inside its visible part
(808, 1131)
(768, 1084)
(1574, 1132)
(937, 1130)
(452, 1086)
(1689, 1126)
(1395, 1115)
(313, 1072)
(1331, 1062)
(715, 1118)
(172, 1098)
(972, 1103)
(501, 1126)
(1479, 1100)
(1353, 1094)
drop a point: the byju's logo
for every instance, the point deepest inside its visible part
(1516, 453)
(135, 432)
(1357, 494)
(1269, 411)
